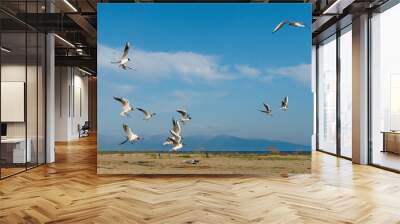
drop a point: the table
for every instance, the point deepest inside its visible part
(391, 141)
(17, 149)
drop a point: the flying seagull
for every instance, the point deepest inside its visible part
(130, 136)
(168, 141)
(267, 110)
(176, 141)
(176, 136)
(285, 104)
(126, 107)
(176, 129)
(123, 62)
(147, 114)
(184, 115)
(176, 145)
(176, 126)
(290, 23)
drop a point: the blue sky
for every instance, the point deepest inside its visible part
(218, 61)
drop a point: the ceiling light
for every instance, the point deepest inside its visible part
(333, 6)
(70, 5)
(5, 50)
(65, 41)
(337, 7)
(84, 71)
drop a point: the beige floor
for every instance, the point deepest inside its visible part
(387, 159)
(70, 191)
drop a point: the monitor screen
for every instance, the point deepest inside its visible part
(3, 129)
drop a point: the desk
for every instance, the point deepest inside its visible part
(19, 155)
(391, 141)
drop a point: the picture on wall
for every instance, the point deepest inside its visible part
(204, 89)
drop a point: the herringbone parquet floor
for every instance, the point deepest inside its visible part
(69, 191)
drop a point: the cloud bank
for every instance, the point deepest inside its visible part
(191, 66)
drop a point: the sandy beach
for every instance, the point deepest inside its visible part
(209, 163)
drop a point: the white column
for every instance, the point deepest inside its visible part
(314, 92)
(50, 99)
(360, 90)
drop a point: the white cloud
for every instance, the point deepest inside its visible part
(247, 70)
(191, 66)
(156, 65)
(300, 73)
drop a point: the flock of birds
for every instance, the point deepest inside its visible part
(176, 131)
(175, 139)
(284, 106)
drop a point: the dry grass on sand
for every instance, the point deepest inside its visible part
(209, 163)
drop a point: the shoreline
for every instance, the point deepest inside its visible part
(208, 163)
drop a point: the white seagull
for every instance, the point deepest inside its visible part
(130, 136)
(176, 126)
(168, 141)
(285, 104)
(176, 129)
(147, 114)
(191, 161)
(184, 115)
(176, 136)
(126, 107)
(175, 145)
(176, 141)
(123, 62)
(290, 23)
(267, 110)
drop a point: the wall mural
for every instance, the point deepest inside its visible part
(204, 89)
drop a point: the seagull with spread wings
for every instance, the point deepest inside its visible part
(285, 104)
(176, 141)
(123, 62)
(130, 136)
(147, 114)
(176, 129)
(184, 115)
(126, 107)
(290, 23)
(267, 109)
(176, 126)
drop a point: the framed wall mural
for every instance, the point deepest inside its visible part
(204, 89)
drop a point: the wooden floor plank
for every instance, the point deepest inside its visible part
(70, 191)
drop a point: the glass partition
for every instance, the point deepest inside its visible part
(327, 95)
(385, 89)
(346, 92)
(13, 95)
(22, 67)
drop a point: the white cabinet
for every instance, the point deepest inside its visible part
(19, 155)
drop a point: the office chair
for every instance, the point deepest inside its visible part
(84, 130)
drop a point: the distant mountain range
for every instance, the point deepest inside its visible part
(201, 143)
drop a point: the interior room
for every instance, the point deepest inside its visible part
(23, 99)
(385, 83)
(63, 83)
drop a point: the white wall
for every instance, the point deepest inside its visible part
(71, 87)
